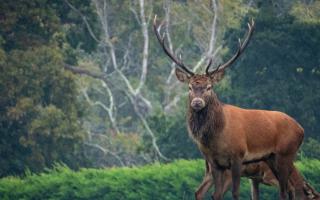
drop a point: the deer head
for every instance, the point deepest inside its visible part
(200, 85)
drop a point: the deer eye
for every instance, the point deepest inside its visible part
(190, 88)
(209, 87)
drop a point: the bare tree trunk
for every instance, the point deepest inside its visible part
(109, 109)
(138, 101)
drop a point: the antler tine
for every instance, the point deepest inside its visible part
(161, 40)
(241, 48)
(215, 70)
(208, 66)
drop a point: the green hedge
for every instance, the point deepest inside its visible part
(177, 180)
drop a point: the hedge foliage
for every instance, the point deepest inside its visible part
(176, 180)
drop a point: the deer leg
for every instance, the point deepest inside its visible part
(255, 189)
(291, 191)
(281, 166)
(206, 183)
(236, 175)
(218, 183)
(284, 166)
(227, 181)
(271, 162)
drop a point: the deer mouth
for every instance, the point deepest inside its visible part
(197, 104)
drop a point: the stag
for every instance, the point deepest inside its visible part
(229, 136)
(259, 172)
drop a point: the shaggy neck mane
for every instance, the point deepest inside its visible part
(207, 122)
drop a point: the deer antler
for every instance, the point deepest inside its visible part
(241, 48)
(161, 40)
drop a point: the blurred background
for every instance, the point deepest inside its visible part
(86, 83)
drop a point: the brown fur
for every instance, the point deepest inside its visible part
(201, 131)
(229, 136)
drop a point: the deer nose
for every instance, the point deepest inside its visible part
(197, 103)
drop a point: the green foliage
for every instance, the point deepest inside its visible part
(173, 136)
(40, 111)
(310, 170)
(307, 12)
(32, 23)
(310, 149)
(177, 180)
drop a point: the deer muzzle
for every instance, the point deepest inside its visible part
(197, 103)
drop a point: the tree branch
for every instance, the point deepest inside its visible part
(85, 21)
(134, 94)
(109, 109)
(105, 151)
(212, 42)
(144, 27)
(147, 127)
(78, 70)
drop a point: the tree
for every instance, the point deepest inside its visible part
(41, 113)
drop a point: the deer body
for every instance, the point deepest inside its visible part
(229, 136)
(226, 131)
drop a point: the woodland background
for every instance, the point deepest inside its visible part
(86, 84)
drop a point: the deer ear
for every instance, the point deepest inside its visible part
(216, 76)
(182, 76)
